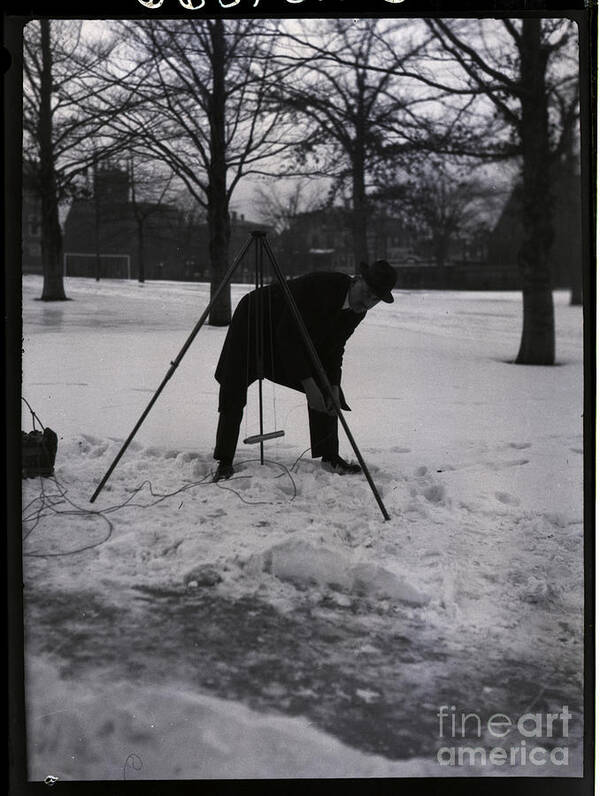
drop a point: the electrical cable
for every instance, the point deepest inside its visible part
(33, 414)
(48, 507)
(286, 471)
(79, 512)
(49, 503)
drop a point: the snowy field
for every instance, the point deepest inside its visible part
(275, 625)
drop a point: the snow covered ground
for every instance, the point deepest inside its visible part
(275, 625)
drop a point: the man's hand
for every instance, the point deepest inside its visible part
(314, 396)
(316, 399)
(331, 405)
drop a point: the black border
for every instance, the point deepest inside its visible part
(104, 9)
(15, 14)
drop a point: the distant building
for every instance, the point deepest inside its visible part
(107, 233)
(316, 240)
(322, 239)
(477, 259)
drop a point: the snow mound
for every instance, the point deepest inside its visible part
(304, 564)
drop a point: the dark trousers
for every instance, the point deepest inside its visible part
(323, 427)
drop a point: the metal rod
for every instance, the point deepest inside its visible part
(258, 339)
(174, 364)
(260, 437)
(321, 371)
(259, 266)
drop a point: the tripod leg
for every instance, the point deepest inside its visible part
(321, 372)
(230, 271)
(260, 342)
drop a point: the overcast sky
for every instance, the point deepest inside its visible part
(243, 199)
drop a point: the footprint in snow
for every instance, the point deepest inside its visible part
(218, 513)
(509, 500)
(504, 465)
(435, 493)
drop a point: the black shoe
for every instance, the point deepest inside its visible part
(224, 471)
(341, 466)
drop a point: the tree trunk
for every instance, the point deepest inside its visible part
(538, 339)
(577, 260)
(577, 286)
(577, 291)
(360, 212)
(98, 261)
(537, 342)
(441, 243)
(358, 157)
(53, 288)
(219, 230)
(141, 264)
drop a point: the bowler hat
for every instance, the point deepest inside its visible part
(381, 278)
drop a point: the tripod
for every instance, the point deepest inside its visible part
(262, 247)
(261, 437)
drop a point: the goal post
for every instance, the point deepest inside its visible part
(112, 266)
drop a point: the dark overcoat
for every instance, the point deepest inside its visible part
(319, 297)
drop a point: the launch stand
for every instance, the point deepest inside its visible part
(262, 247)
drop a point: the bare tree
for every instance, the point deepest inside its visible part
(202, 108)
(57, 131)
(438, 200)
(529, 76)
(346, 91)
(280, 209)
(53, 289)
(150, 190)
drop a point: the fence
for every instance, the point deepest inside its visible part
(112, 266)
(458, 276)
